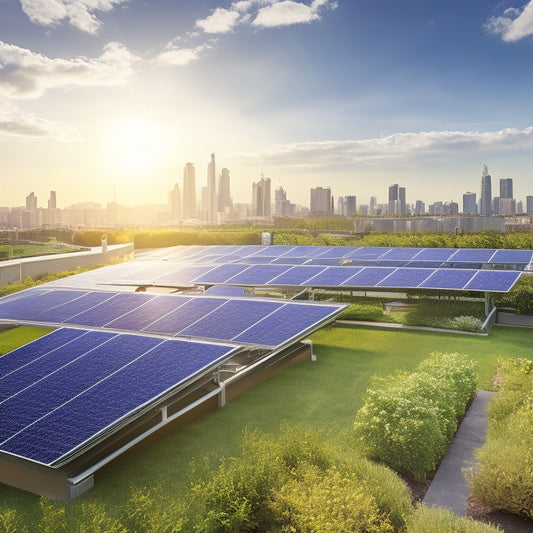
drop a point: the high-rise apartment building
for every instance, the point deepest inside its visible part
(320, 202)
(506, 204)
(174, 203)
(372, 205)
(420, 207)
(397, 203)
(469, 203)
(52, 203)
(31, 202)
(189, 191)
(486, 192)
(529, 205)
(211, 191)
(224, 191)
(346, 206)
(261, 199)
(282, 206)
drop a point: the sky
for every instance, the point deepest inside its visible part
(108, 99)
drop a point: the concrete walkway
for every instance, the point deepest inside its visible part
(450, 487)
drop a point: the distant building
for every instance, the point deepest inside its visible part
(189, 191)
(507, 204)
(261, 199)
(520, 207)
(420, 207)
(529, 205)
(372, 205)
(52, 203)
(31, 202)
(320, 202)
(282, 206)
(469, 203)
(486, 192)
(224, 191)
(397, 203)
(211, 191)
(174, 203)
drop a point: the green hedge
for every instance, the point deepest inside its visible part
(504, 480)
(407, 420)
(439, 520)
(164, 238)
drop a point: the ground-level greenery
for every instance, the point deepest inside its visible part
(322, 396)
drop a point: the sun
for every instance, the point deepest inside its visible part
(134, 146)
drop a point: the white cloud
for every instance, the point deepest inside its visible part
(288, 12)
(79, 13)
(515, 24)
(182, 56)
(392, 146)
(15, 122)
(220, 21)
(25, 74)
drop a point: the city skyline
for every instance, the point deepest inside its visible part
(110, 102)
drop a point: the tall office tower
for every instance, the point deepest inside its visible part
(469, 203)
(211, 191)
(397, 203)
(189, 191)
(174, 203)
(350, 206)
(507, 204)
(282, 206)
(420, 207)
(261, 198)
(529, 205)
(224, 192)
(372, 206)
(31, 202)
(519, 207)
(52, 203)
(486, 193)
(320, 204)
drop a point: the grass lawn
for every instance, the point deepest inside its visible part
(324, 394)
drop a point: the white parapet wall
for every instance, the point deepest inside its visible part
(17, 269)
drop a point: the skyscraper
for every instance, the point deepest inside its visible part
(506, 188)
(211, 191)
(507, 204)
(224, 192)
(320, 202)
(529, 205)
(261, 200)
(174, 203)
(469, 203)
(31, 202)
(486, 192)
(52, 203)
(282, 206)
(397, 203)
(189, 191)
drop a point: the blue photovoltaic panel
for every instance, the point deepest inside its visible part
(111, 309)
(272, 251)
(333, 276)
(258, 274)
(149, 312)
(297, 275)
(222, 273)
(473, 255)
(493, 280)
(231, 319)
(74, 344)
(435, 254)
(448, 278)
(183, 275)
(512, 256)
(290, 260)
(368, 277)
(401, 253)
(73, 307)
(425, 264)
(225, 290)
(258, 259)
(291, 321)
(327, 261)
(42, 397)
(334, 251)
(93, 406)
(34, 303)
(302, 251)
(16, 359)
(185, 315)
(369, 252)
(406, 278)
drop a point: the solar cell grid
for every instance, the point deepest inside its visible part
(405, 277)
(332, 276)
(368, 277)
(258, 274)
(493, 280)
(400, 253)
(447, 278)
(473, 255)
(297, 275)
(222, 273)
(435, 254)
(512, 256)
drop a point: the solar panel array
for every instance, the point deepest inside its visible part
(61, 392)
(203, 317)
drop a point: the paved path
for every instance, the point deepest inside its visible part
(450, 487)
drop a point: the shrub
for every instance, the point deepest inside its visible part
(439, 520)
(504, 479)
(9, 522)
(407, 421)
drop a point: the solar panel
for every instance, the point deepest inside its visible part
(51, 418)
(224, 290)
(258, 274)
(31, 303)
(435, 254)
(447, 278)
(512, 256)
(368, 277)
(333, 276)
(400, 253)
(473, 255)
(493, 280)
(406, 278)
(297, 275)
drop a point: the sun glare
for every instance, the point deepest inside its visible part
(134, 146)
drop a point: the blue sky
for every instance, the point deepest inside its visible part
(99, 96)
